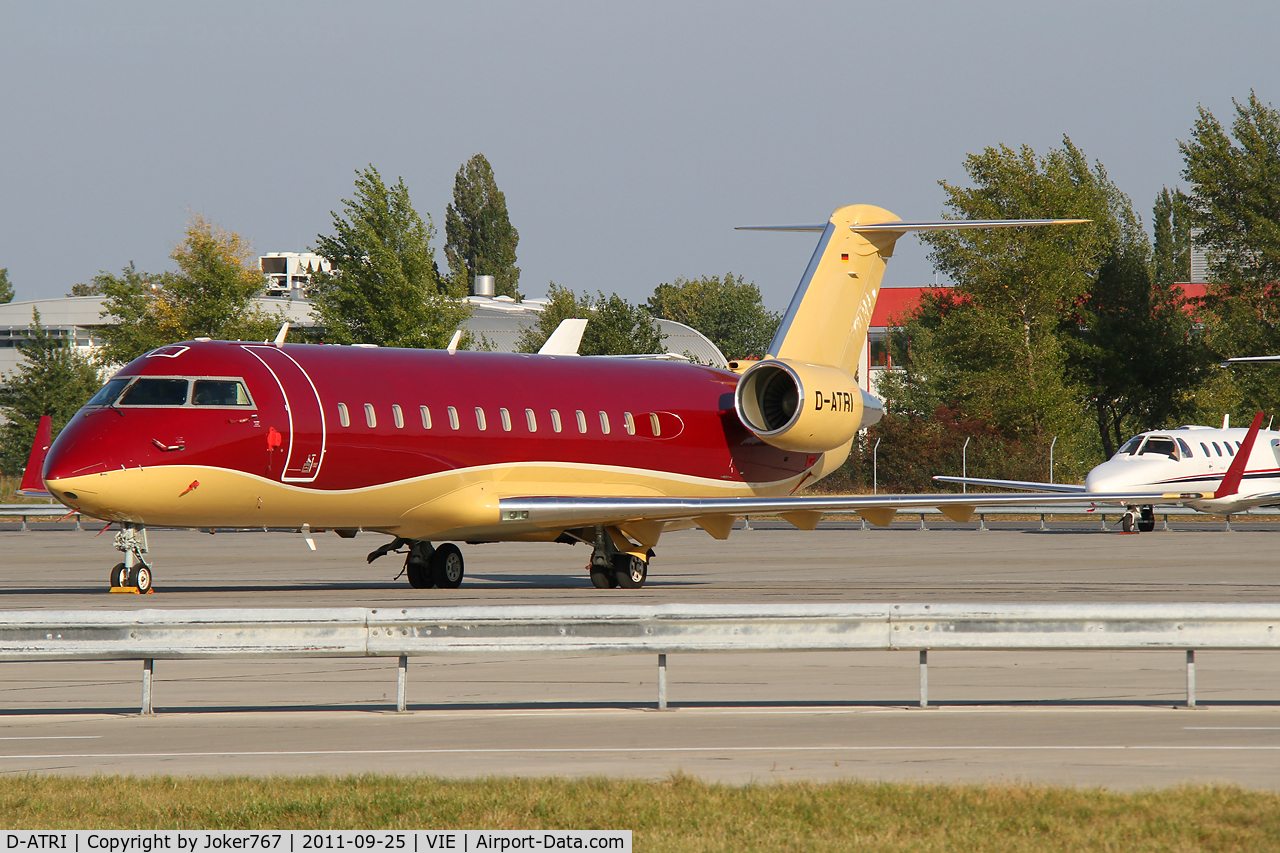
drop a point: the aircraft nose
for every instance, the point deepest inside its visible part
(1106, 478)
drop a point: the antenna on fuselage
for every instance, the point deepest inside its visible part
(453, 342)
(280, 336)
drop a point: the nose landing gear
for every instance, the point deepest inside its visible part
(134, 574)
(1143, 519)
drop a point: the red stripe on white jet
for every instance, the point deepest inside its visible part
(1231, 480)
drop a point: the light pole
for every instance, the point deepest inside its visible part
(1051, 444)
(875, 468)
(964, 463)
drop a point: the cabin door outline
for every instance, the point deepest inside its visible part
(303, 456)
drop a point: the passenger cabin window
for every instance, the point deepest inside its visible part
(630, 423)
(397, 416)
(531, 420)
(582, 421)
(1205, 449)
(506, 419)
(480, 424)
(1217, 449)
(220, 392)
(369, 417)
(453, 418)
(1230, 450)
(1186, 449)
(343, 417)
(604, 423)
(107, 395)
(657, 429)
(1159, 445)
(156, 392)
(555, 420)
(426, 416)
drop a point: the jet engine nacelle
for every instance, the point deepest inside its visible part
(808, 408)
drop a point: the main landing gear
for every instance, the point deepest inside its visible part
(426, 566)
(611, 568)
(1144, 519)
(135, 571)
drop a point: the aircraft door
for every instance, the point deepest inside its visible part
(304, 441)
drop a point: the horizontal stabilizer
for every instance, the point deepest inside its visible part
(1029, 485)
(566, 338)
(940, 225)
(1252, 359)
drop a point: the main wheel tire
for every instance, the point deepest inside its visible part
(1126, 522)
(419, 573)
(630, 572)
(1148, 521)
(117, 575)
(603, 577)
(141, 578)
(447, 566)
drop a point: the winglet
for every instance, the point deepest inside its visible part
(1231, 480)
(32, 482)
(565, 339)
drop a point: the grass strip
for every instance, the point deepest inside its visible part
(675, 814)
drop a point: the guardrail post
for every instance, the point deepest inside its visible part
(1104, 522)
(924, 678)
(1042, 527)
(662, 682)
(148, 667)
(982, 521)
(746, 522)
(78, 527)
(402, 682)
(1166, 522)
(1191, 678)
(1227, 529)
(922, 527)
(24, 523)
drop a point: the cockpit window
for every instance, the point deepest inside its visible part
(1160, 445)
(1186, 449)
(220, 392)
(149, 391)
(1130, 447)
(107, 395)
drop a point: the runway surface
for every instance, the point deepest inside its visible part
(1094, 718)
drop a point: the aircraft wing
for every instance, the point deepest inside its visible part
(1030, 485)
(716, 515)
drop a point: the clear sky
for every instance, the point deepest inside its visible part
(629, 139)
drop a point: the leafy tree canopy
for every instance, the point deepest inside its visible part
(211, 295)
(6, 289)
(1234, 202)
(51, 379)
(614, 327)
(384, 287)
(479, 236)
(727, 309)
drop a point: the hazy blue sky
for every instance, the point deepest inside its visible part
(629, 138)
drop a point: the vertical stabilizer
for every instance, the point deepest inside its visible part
(32, 482)
(827, 320)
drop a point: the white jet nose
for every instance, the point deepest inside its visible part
(1114, 476)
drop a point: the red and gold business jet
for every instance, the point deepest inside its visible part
(434, 447)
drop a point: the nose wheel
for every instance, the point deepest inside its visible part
(135, 572)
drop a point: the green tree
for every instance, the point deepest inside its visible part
(1172, 261)
(82, 289)
(479, 237)
(6, 289)
(51, 379)
(727, 309)
(1132, 350)
(384, 287)
(211, 295)
(1234, 202)
(614, 327)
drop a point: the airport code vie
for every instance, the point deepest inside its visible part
(301, 841)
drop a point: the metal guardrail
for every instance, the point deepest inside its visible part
(149, 635)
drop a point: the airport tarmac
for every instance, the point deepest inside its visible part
(1092, 718)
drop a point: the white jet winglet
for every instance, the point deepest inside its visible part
(565, 339)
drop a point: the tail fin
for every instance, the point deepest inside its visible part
(1235, 471)
(32, 483)
(827, 320)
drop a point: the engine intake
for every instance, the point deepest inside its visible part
(808, 408)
